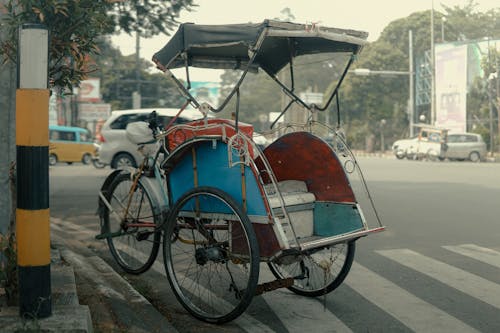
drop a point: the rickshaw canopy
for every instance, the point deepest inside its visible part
(231, 46)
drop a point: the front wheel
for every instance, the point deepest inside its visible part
(133, 239)
(52, 159)
(211, 255)
(123, 160)
(97, 164)
(432, 155)
(317, 272)
(400, 154)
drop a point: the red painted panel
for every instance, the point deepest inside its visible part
(303, 156)
(215, 126)
(266, 239)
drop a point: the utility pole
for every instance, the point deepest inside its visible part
(32, 156)
(136, 95)
(497, 62)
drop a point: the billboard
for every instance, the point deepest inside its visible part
(451, 86)
(90, 90)
(206, 92)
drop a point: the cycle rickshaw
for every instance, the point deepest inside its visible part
(224, 205)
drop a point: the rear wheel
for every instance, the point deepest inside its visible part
(317, 272)
(211, 255)
(474, 156)
(87, 159)
(132, 237)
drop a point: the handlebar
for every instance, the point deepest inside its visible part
(153, 122)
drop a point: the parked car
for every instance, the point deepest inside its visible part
(116, 150)
(400, 147)
(70, 144)
(466, 146)
(429, 144)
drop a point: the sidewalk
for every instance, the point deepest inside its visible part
(111, 303)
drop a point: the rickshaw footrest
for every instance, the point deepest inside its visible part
(273, 285)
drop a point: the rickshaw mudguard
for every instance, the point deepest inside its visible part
(159, 202)
(206, 163)
(104, 188)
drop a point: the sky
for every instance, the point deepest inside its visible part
(367, 15)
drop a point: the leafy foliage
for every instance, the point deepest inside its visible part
(119, 80)
(368, 100)
(75, 27)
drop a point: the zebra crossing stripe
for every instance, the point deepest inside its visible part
(466, 282)
(413, 312)
(483, 254)
(291, 309)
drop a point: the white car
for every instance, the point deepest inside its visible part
(116, 150)
(401, 147)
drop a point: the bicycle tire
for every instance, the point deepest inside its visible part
(211, 255)
(136, 249)
(321, 279)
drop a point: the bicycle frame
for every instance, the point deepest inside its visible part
(154, 186)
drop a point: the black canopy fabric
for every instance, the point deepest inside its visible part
(231, 46)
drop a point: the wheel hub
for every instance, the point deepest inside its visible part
(205, 254)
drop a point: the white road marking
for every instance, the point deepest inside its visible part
(298, 313)
(466, 282)
(483, 254)
(410, 310)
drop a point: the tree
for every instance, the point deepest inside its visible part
(75, 27)
(118, 80)
(368, 102)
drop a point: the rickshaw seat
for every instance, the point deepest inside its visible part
(299, 205)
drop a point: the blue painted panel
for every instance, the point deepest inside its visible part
(331, 219)
(213, 170)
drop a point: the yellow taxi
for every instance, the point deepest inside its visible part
(70, 144)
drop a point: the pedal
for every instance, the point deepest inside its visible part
(143, 235)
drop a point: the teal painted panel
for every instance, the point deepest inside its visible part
(331, 218)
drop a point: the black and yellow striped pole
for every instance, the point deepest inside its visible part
(32, 150)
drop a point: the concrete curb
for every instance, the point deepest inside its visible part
(123, 307)
(67, 314)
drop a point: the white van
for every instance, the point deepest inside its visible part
(116, 150)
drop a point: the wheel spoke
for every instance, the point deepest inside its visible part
(211, 255)
(136, 248)
(319, 272)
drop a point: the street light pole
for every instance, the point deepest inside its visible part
(410, 73)
(491, 77)
(433, 70)
(443, 19)
(411, 96)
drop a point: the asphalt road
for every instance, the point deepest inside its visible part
(436, 267)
